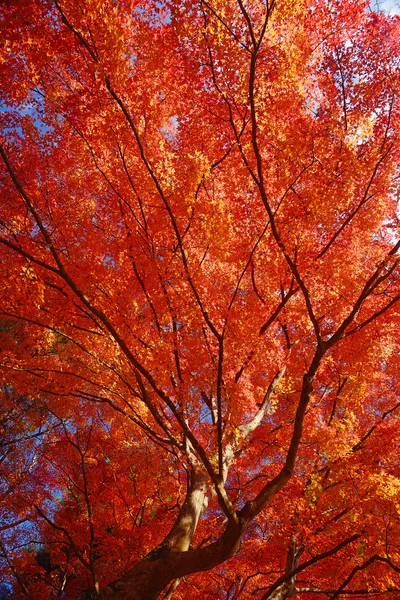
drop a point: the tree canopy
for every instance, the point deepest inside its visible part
(199, 309)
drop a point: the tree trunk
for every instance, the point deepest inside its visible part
(173, 558)
(288, 588)
(147, 579)
(181, 535)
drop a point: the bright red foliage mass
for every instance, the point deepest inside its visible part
(199, 309)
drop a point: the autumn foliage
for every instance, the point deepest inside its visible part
(199, 304)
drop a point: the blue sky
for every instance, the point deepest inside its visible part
(391, 7)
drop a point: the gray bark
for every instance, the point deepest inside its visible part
(147, 579)
(174, 558)
(288, 588)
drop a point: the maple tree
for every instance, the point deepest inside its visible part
(199, 309)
